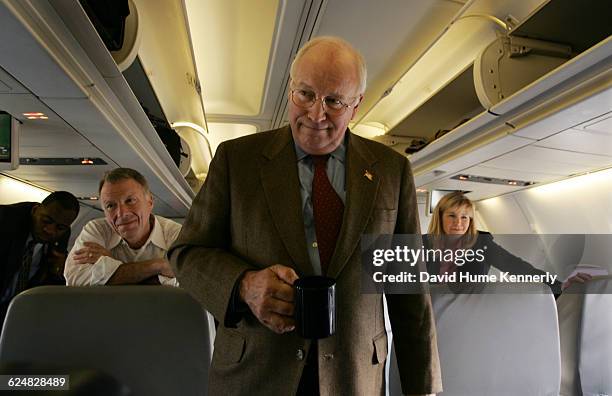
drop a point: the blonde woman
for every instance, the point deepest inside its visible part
(452, 227)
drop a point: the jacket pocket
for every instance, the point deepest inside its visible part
(380, 348)
(385, 215)
(230, 348)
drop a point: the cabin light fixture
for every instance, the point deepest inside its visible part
(493, 180)
(86, 198)
(35, 116)
(87, 161)
(421, 190)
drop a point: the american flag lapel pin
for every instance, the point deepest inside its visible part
(368, 175)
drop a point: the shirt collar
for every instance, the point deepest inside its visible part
(339, 153)
(156, 237)
(31, 240)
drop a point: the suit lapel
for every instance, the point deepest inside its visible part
(362, 184)
(281, 186)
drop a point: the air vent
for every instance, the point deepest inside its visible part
(493, 180)
(83, 161)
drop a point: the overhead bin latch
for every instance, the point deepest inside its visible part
(521, 46)
(510, 63)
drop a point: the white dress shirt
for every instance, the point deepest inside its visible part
(164, 233)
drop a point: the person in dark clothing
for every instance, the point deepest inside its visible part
(33, 244)
(453, 227)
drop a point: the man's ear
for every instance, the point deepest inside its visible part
(35, 208)
(354, 109)
(289, 84)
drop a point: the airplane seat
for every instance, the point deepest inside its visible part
(503, 341)
(587, 338)
(569, 308)
(153, 339)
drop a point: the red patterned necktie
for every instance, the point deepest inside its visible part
(327, 211)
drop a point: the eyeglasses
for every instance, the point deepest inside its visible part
(305, 99)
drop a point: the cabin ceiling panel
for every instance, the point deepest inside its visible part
(581, 141)
(547, 160)
(566, 117)
(509, 174)
(478, 190)
(232, 43)
(78, 187)
(17, 104)
(38, 140)
(479, 155)
(82, 116)
(26, 59)
(602, 124)
(8, 85)
(61, 172)
(79, 180)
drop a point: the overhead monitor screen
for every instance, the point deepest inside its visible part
(9, 144)
(5, 137)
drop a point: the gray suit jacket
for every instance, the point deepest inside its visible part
(248, 216)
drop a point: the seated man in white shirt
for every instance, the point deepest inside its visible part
(129, 245)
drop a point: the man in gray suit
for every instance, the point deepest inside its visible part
(254, 228)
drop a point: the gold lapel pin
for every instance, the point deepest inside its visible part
(368, 175)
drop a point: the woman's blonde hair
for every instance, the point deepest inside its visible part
(453, 200)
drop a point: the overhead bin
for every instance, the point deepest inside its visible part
(510, 63)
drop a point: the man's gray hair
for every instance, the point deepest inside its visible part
(342, 45)
(118, 174)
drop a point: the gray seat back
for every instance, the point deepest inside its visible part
(154, 339)
(595, 342)
(504, 341)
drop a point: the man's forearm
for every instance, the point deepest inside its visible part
(136, 272)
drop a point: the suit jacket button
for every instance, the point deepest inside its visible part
(300, 354)
(328, 356)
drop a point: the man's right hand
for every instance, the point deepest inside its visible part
(269, 294)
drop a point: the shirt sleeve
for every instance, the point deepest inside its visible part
(170, 234)
(90, 274)
(164, 280)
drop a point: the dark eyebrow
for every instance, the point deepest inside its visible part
(55, 221)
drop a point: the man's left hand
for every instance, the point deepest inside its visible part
(90, 253)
